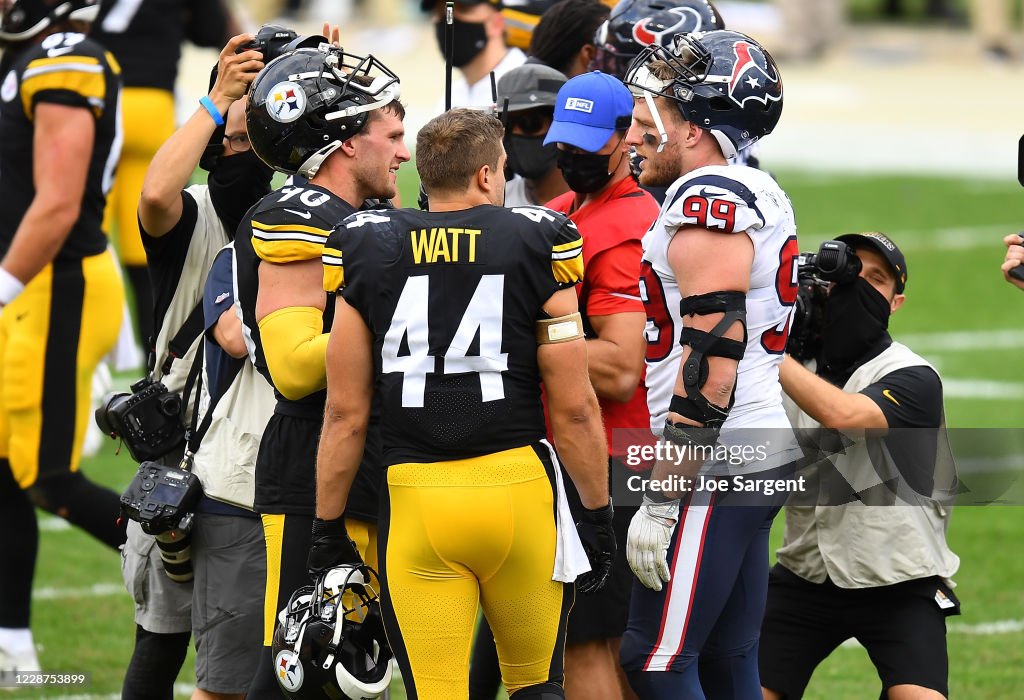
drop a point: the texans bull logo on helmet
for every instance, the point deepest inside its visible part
(752, 78)
(654, 30)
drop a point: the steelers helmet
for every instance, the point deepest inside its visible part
(306, 102)
(330, 641)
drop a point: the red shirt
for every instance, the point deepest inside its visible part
(612, 227)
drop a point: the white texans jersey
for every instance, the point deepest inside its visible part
(731, 199)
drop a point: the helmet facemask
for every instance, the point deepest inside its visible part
(334, 633)
(338, 91)
(704, 75)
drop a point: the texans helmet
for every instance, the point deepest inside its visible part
(24, 19)
(305, 103)
(330, 643)
(722, 81)
(636, 24)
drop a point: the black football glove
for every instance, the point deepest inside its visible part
(331, 547)
(595, 528)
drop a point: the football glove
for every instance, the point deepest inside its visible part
(598, 537)
(331, 547)
(650, 532)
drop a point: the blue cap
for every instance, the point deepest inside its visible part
(588, 110)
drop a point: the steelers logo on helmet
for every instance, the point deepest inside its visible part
(288, 668)
(286, 101)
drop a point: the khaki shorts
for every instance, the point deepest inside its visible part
(162, 606)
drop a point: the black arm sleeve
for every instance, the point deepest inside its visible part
(910, 397)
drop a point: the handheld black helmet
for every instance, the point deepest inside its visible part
(24, 19)
(636, 24)
(330, 641)
(722, 81)
(305, 103)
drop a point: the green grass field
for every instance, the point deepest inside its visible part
(950, 230)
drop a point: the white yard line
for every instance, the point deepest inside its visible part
(97, 590)
(950, 341)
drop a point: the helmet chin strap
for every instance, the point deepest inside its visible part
(312, 165)
(658, 123)
(727, 146)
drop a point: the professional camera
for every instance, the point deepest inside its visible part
(148, 420)
(161, 498)
(834, 263)
(273, 40)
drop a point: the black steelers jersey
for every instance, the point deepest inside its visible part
(453, 299)
(145, 35)
(289, 225)
(66, 69)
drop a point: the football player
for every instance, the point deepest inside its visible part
(718, 283)
(450, 319)
(59, 142)
(335, 120)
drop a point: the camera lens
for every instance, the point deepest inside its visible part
(176, 554)
(106, 419)
(170, 405)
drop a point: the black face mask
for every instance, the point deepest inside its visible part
(236, 183)
(584, 172)
(470, 38)
(856, 317)
(529, 157)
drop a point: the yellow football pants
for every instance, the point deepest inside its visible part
(52, 336)
(148, 118)
(456, 535)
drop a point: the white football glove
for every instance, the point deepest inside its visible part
(650, 532)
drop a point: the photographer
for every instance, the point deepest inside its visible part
(182, 231)
(863, 555)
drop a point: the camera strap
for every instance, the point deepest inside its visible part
(178, 346)
(196, 431)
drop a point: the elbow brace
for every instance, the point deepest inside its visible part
(295, 348)
(694, 405)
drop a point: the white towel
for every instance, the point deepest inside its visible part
(570, 557)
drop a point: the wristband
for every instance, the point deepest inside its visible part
(10, 287)
(215, 114)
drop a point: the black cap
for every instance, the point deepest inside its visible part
(530, 85)
(889, 250)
